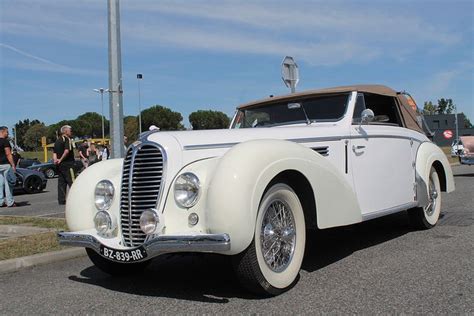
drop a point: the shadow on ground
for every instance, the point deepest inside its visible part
(210, 278)
(470, 175)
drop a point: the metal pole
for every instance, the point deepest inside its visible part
(139, 76)
(102, 103)
(456, 122)
(115, 80)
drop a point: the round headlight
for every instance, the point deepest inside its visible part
(104, 194)
(102, 222)
(186, 190)
(149, 220)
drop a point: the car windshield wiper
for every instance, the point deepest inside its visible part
(296, 105)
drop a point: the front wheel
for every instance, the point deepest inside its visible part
(271, 264)
(49, 173)
(115, 268)
(427, 216)
(33, 184)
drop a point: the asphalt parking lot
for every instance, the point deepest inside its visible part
(380, 266)
(44, 204)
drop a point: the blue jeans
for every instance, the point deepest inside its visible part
(4, 169)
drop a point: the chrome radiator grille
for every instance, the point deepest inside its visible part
(141, 184)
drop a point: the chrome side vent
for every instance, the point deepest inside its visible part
(323, 151)
(141, 184)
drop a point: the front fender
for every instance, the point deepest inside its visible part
(244, 172)
(80, 205)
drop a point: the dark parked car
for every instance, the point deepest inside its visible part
(25, 163)
(30, 181)
(49, 169)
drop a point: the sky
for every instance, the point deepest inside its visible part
(198, 55)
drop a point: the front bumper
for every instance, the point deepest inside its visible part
(158, 245)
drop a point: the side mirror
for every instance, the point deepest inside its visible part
(366, 116)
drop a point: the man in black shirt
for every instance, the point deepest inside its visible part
(63, 157)
(7, 167)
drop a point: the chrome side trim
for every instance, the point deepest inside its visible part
(303, 140)
(158, 245)
(391, 210)
(210, 146)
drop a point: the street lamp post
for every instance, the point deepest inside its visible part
(456, 122)
(101, 91)
(139, 77)
(14, 128)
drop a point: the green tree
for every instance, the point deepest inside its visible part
(163, 117)
(32, 138)
(467, 122)
(90, 125)
(445, 106)
(208, 119)
(130, 127)
(429, 108)
(21, 129)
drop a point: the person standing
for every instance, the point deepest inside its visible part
(84, 154)
(7, 166)
(93, 154)
(63, 157)
(105, 154)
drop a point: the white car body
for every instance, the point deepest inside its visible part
(350, 173)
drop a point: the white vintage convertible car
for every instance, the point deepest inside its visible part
(308, 160)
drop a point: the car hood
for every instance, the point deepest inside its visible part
(28, 172)
(188, 146)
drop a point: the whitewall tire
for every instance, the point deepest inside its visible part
(271, 264)
(427, 216)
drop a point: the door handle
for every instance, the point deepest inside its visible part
(359, 147)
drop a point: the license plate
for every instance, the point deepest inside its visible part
(133, 255)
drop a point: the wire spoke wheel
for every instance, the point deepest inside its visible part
(271, 264)
(427, 216)
(278, 236)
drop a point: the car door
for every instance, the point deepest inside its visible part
(381, 158)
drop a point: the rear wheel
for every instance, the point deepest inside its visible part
(427, 216)
(271, 264)
(115, 268)
(33, 184)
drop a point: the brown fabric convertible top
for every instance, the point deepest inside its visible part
(408, 114)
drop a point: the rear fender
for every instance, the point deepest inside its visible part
(429, 155)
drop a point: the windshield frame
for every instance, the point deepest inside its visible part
(299, 99)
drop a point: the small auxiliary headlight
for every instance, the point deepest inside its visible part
(103, 222)
(186, 190)
(103, 195)
(149, 221)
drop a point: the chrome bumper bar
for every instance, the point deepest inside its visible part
(158, 245)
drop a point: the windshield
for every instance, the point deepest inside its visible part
(325, 108)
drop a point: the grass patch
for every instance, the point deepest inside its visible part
(56, 223)
(32, 244)
(29, 245)
(36, 154)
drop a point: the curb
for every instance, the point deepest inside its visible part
(16, 264)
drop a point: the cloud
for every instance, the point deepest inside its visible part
(317, 32)
(45, 64)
